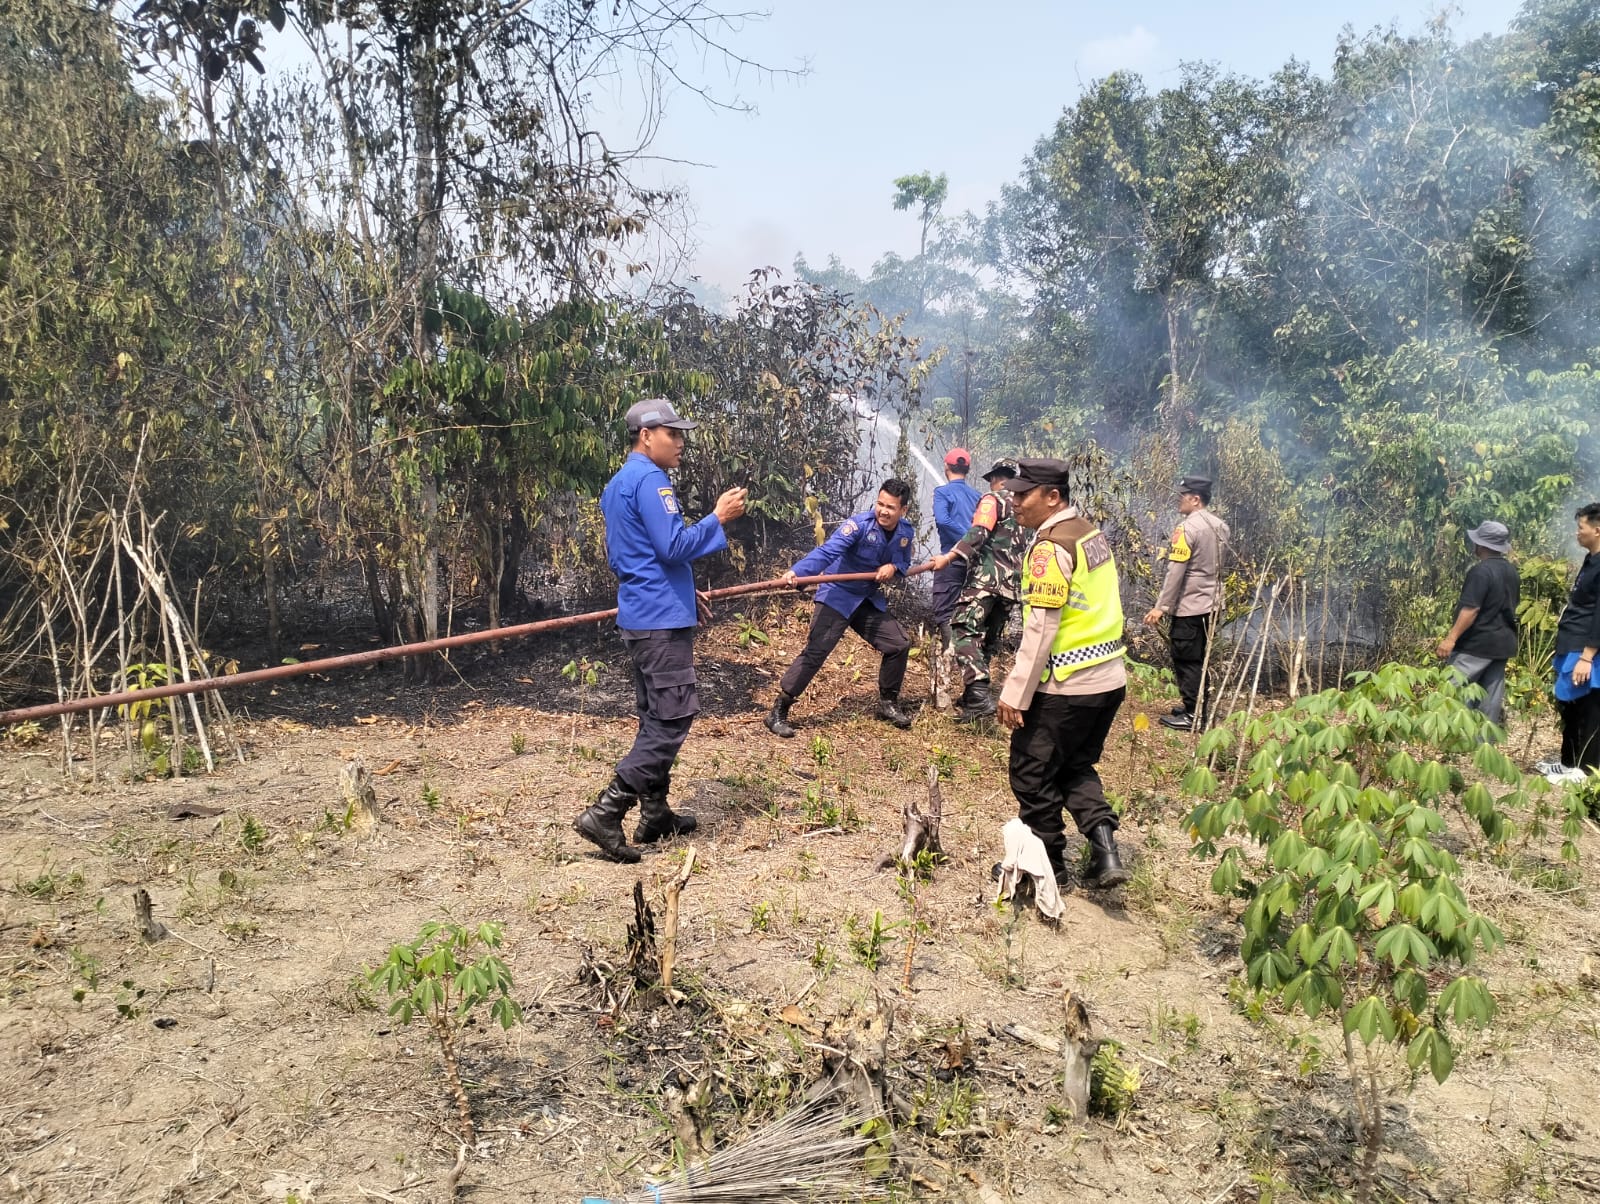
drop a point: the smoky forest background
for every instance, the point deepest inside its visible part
(352, 339)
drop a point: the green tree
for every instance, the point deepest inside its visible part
(110, 277)
(926, 193)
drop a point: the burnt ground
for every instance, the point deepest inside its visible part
(247, 1058)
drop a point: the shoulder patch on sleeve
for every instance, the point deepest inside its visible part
(1180, 550)
(848, 527)
(1045, 584)
(669, 500)
(987, 513)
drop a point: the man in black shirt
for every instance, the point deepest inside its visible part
(1577, 642)
(1484, 636)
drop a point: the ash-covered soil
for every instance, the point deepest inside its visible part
(246, 1058)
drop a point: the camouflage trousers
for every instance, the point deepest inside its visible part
(976, 630)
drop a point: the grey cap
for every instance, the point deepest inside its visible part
(656, 411)
(1492, 535)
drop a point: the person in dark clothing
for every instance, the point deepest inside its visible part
(650, 547)
(1577, 640)
(1484, 635)
(877, 541)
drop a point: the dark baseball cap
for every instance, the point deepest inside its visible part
(1002, 468)
(1041, 474)
(656, 411)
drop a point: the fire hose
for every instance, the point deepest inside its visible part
(373, 656)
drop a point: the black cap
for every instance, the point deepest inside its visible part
(1002, 468)
(656, 411)
(1200, 485)
(1041, 474)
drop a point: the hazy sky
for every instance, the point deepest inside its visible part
(895, 86)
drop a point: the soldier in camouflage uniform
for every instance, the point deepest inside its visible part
(993, 548)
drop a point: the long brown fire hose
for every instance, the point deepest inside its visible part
(372, 657)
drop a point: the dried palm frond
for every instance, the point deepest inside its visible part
(813, 1155)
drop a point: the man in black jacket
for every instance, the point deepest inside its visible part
(1577, 640)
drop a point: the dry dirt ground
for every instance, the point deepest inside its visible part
(246, 1058)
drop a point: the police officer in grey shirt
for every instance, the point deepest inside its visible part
(1191, 594)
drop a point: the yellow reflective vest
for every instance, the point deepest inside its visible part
(1090, 603)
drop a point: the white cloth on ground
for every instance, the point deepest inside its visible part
(1026, 858)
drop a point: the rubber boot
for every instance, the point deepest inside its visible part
(657, 820)
(976, 703)
(1105, 863)
(601, 824)
(889, 711)
(778, 717)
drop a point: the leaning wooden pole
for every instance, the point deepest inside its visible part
(353, 660)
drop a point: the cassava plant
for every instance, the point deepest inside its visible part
(1352, 904)
(438, 978)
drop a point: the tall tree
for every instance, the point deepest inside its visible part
(926, 193)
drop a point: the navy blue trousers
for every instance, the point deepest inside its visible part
(666, 697)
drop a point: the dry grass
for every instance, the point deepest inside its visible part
(247, 1057)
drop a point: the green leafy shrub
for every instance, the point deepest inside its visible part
(437, 977)
(1352, 902)
(1113, 1083)
(1544, 593)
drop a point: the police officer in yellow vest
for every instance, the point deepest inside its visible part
(1069, 677)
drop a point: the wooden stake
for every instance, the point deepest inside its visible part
(669, 939)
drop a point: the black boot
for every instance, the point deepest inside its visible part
(1183, 721)
(1105, 863)
(976, 703)
(656, 819)
(889, 711)
(601, 824)
(778, 717)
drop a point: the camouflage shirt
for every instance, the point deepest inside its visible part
(993, 548)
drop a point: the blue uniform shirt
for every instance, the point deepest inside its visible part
(954, 504)
(859, 545)
(649, 547)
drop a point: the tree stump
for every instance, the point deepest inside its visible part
(360, 798)
(151, 929)
(1077, 1053)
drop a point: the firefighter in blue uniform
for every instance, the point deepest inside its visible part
(650, 546)
(875, 541)
(954, 504)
